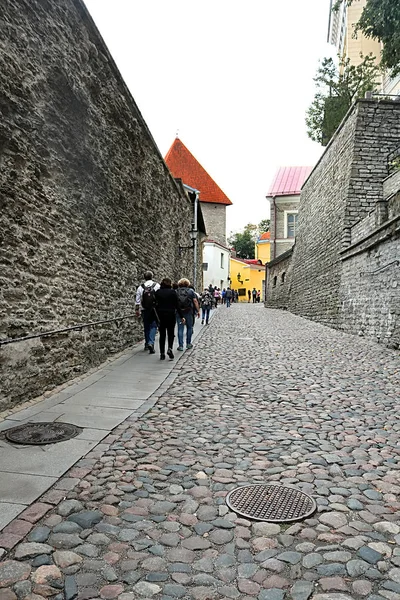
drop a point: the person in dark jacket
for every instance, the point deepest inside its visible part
(166, 307)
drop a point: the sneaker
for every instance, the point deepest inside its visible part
(151, 349)
(146, 346)
(189, 346)
(180, 348)
(202, 322)
(162, 356)
(206, 322)
(170, 353)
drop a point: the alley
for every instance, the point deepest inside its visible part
(263, 397)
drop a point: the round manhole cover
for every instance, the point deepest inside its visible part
(272, 503)
(42, 433)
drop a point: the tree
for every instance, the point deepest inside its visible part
(263, 226)
(243, 242)
(380, 20)
(337, 89)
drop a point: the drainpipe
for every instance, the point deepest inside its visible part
(274, 202)
(196, 204)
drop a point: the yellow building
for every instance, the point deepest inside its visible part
(263, 247)
(246, 275)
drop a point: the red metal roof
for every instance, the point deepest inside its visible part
(183, 165)
(288, 181)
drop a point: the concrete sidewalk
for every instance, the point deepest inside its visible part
(98, 404)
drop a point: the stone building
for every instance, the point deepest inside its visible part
(344, 268)
(213, 202)
(284, 198)
(87, 201)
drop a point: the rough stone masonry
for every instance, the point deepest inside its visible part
(86, 200)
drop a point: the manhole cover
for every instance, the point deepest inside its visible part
(42, 433)
(272, 503)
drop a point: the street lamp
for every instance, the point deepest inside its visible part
(193, 238)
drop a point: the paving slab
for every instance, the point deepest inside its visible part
(87, 398)
(9, 511)
(19, 488)
(51, 460)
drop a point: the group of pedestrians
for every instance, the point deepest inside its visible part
(255, 294)
(164, 305)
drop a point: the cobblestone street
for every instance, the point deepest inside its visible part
(263, 397)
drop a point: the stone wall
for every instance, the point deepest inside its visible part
(341, 190)
(215, 221)
(278, 278)
(344, 271)
(280, 244)
(87, 202)
(370, 285)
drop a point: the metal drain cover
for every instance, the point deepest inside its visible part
(272, 503)
(41, 433)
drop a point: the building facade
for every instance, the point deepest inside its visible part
(246, 275)
(215, 264)
(284, 198)
(341, 29)
(263, 247)
(213, 202)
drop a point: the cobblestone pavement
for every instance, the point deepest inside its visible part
(264, 397)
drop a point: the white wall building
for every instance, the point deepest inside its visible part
(215, 264)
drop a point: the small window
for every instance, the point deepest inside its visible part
(222, 260)
(274, 281)
(291, 224)
(283, 277)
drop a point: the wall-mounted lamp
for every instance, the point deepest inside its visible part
(193, 237)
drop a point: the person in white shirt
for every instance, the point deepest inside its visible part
(145, 306)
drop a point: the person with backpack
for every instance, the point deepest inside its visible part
(146, 307)
(167, 306)
(188, 304)
(206, 304)
(228, 297)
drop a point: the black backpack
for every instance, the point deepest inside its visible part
(184, 298)
(148, 296)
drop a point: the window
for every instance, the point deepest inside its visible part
(205, 266)
(274, 281)
(222, 260)
(283, 277)
(290, 224)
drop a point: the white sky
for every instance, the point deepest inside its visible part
(233, 77)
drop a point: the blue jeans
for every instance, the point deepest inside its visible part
(205, 313)
(150, 327)
(189, 328)
(228, 302)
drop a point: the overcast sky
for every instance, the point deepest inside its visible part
(233, 78)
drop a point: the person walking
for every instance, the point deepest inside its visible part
(258, 295)
(167, 306)
(188, 304)
(223, 296)
(217, 296)
(145, 307)
(228, 297)
(206, 304)
(254, 295)
(248, 295)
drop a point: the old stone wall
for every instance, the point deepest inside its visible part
(341, 191)
(87, 202)
(370, 285)
(278, 278)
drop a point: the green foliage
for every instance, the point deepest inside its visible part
(380, 20)
(244, 241)
(337, 89)
(263, 226)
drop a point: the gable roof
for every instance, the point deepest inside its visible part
(288, 181)
(183, 165)
(264, 236)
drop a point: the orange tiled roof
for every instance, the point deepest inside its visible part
(183, 165)
(265, 236)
